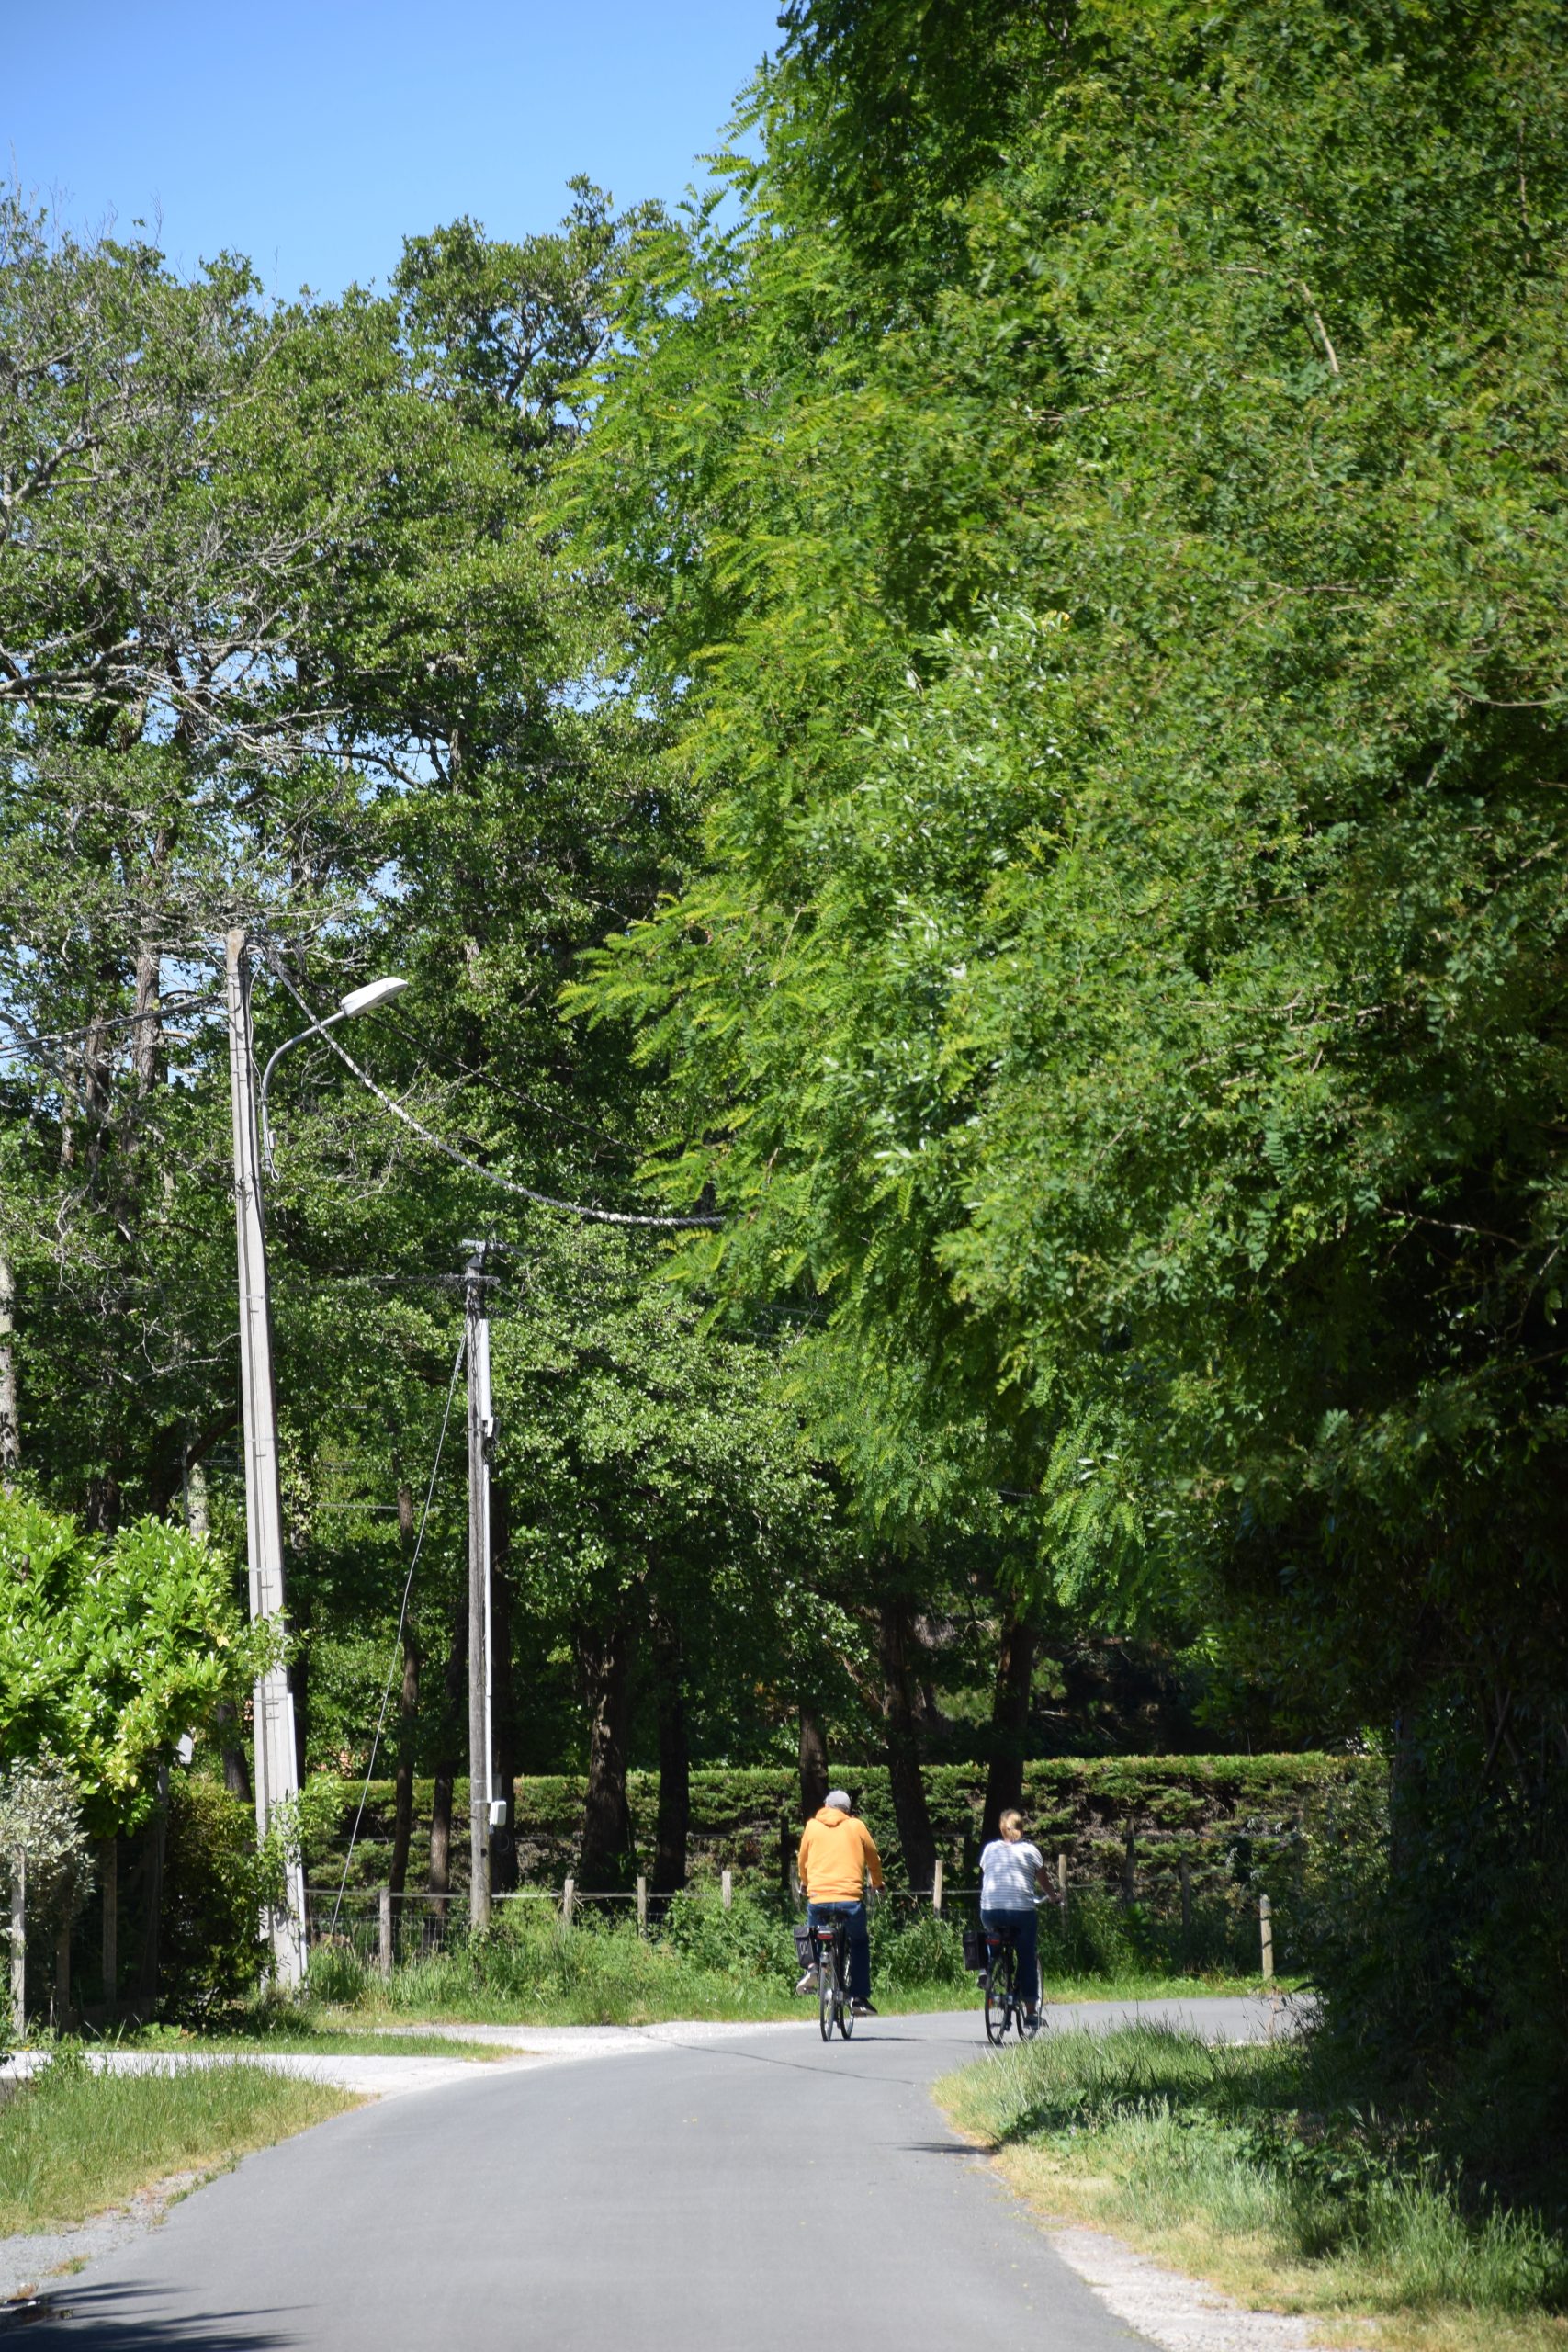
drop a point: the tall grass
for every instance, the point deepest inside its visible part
(700, 1960)
(72, 2142)
(702, 1963)
(1243, 2161)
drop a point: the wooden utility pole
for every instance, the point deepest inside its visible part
(481, 1740)
(277, 1763)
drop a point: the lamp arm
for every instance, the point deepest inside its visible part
(313, 1031)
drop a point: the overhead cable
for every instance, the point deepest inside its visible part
(476, 1168)
(168, 1009)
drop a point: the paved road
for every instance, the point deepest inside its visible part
(740, 2193)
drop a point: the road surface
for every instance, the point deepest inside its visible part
(740, 2191)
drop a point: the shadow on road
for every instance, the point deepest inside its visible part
(119, 2320)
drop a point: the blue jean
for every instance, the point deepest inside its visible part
(822, 1915)
(1023, 1926)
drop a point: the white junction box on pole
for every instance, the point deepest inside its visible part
(276, 1762)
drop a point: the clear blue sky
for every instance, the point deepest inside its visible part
(315, 134)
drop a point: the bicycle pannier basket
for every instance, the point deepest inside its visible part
(803, 1950)
(974, 1949)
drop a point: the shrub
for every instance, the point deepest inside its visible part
(917, 1949)
(747, 1940)
(40, 1818)
(211, 1949)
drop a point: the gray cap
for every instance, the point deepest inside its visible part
(840, 1797)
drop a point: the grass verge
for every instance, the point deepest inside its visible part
(1236, 2165)
(290, 2029)
(72, 2142)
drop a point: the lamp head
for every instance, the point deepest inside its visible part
(373, 993)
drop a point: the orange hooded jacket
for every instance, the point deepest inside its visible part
(836, 1852)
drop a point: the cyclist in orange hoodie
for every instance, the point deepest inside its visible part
(836, 1854)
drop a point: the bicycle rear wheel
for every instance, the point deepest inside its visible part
(844, 2006)
(825, 1993)
(998, 1997)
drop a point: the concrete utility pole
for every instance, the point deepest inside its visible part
(481, 1739)
(276, 1762)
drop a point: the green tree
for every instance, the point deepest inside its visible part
(1118, 621)
(110, 1651)
(665, 1515)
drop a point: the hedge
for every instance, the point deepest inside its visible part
(1235, 1821)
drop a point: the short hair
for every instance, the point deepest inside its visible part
(1011, 1824)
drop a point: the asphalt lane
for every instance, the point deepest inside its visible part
(742, 2193)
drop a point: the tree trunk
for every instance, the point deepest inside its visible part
(674, 1764)
(452, 1722)
(402, 1805)
(905, 1781)
(236, 1766)
(608, 1861)
(147, 1034)
(60, 2004)
(439, 1882)
(1009, 1725)
(813, 1763)
(299, 1681)
(504, 1840)
(408, 1720)
(109, 1878)
(157, 1842)
(10, 1423)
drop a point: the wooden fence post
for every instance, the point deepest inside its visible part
(568, 1893)
(1062, 1876)
(384, 1907)
(1266, 1931)
(642, 1906)
(725, 1889)
(19, 1945)
(936, 1885)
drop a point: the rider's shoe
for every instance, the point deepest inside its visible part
(862, 2008)
(807, 1982)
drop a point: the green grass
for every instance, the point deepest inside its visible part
(702, 1963)
(291, 2030)
(72, 2142)
(1239, 2165)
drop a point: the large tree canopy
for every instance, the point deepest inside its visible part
(1118, 621)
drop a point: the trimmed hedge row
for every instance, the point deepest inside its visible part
(1125, 1823)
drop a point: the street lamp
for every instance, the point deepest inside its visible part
(357, 1001)
(277, 1763)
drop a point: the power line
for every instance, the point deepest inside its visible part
(170, 1008)
(476, 1168)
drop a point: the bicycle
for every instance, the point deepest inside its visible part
(1005, 2004)
(829, 1953)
